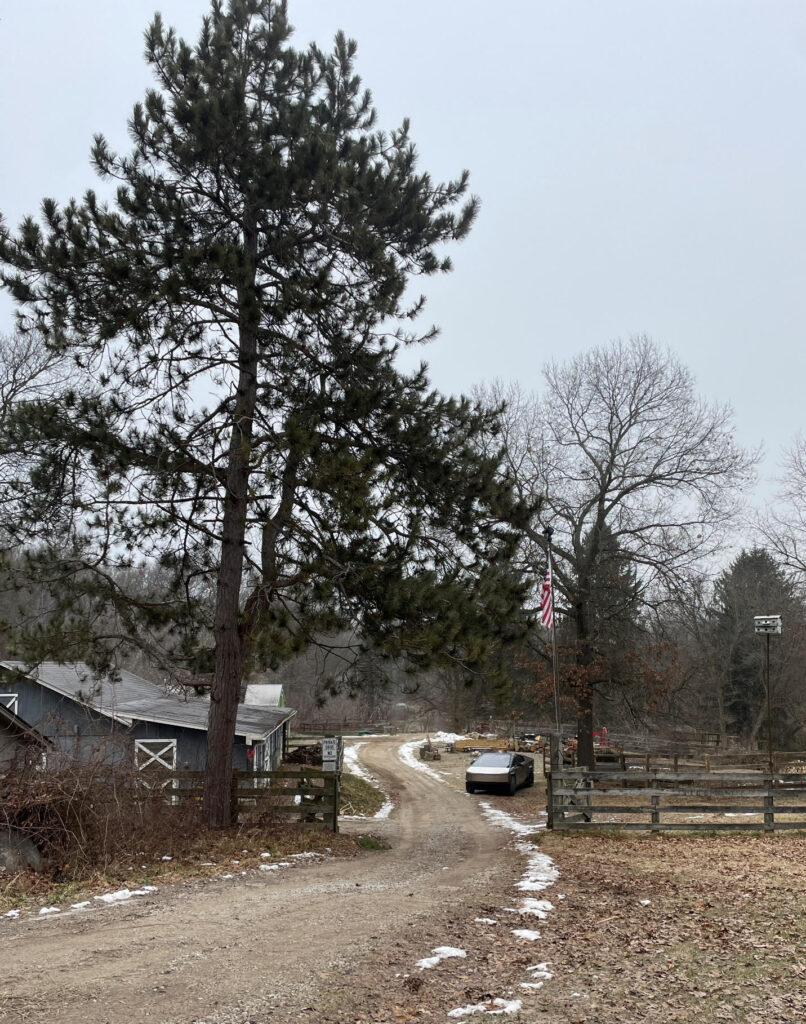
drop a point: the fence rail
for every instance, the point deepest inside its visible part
(689, 759)
(659, 800)
(340, 726)
(306, 795)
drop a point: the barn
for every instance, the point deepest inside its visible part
(92, 718)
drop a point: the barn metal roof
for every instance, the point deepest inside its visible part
(132, 698)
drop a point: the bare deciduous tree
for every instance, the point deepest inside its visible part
(631, 465)
(28, 370)
(784, 523)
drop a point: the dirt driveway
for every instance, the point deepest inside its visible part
(333, 941)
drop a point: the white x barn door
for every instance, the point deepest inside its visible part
(155, 754)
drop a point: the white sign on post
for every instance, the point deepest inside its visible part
(330, 753)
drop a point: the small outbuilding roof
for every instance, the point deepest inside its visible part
(132, 698)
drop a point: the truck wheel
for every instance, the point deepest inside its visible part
(513, 785)
(531, 779)
(469, 787)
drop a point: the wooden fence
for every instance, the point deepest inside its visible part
(340, 727)
(691, 759)
(305, 795)
(663, 800)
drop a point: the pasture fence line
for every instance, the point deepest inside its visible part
(682, 758)
(662, 800)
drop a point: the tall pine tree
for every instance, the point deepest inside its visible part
(237, 310)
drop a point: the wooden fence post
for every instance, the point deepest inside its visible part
(655, 801)
(769, 807)
(549, 801)
(336, 794)
(587, 786)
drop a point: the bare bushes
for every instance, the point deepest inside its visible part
(86, 818)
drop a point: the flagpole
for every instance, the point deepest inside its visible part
(547, 533)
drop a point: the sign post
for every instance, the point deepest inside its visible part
(768, 625)
(331, 750)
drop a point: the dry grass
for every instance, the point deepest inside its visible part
(98, 829)
(723, 937)
(194, 854)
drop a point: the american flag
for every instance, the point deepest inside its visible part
(547, 598)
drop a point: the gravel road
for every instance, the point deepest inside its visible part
(331, 941)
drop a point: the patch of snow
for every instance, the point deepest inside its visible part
(541, 871)
(537, 908)
(302, 856)
(81, 906)
(385, 810)
(228, 876)
(352, 764)
(532, 984)
(526, 933)
(440, 953)
(265, 855)
(125, 894)
(271, 867)
(495, 1008)
(485, 920)
(645, 903)
(540, 971)
(12, 913)
(407, 756)
(212, 864)
(166, 857)
(49, 910)
(505, 820)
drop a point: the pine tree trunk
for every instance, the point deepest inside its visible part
(230, 653)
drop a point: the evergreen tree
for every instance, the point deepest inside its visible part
(753, 584)
(236, 311)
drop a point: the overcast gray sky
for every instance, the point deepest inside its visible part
(640, 164)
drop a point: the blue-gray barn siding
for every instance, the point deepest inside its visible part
(85, 734)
